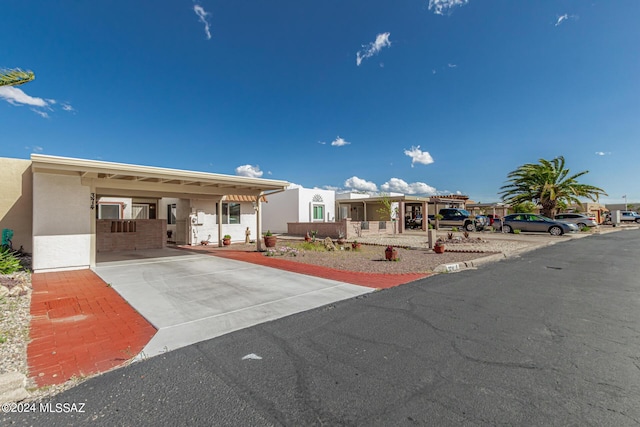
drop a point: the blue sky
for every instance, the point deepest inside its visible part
(415, 96)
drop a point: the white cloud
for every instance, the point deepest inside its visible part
(250, 171)
(331, 187)
(419, 156)
(373, 48)
(293, 185)
(452, 65)
(322, 142)
(397, 185)
(439, 7)
(34, 149)
(561, 19)
(603, 153)
(565, 17)
(339, 142)
(16, 96)
(202, 17)
(358, 184)
(41, 113)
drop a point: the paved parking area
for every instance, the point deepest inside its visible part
(191, 297)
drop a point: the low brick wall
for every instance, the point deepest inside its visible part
(122, 235)
(349, 229)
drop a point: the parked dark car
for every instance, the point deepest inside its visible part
(461, 218)
(535, 222)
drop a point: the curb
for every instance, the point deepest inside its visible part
(12, 387)
(474, 263)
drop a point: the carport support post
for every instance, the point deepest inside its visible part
(219, 218)
(258, 224)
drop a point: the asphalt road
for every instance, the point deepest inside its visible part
(551, 338)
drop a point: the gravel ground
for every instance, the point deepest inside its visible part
(413, 252)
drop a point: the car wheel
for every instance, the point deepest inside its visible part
(638, 220)
(582, 225)
(555, 231)
(507, 228)
(470, 227)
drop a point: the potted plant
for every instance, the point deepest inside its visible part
(226, 240)
(270, 240)
(340, 240)
(439, 247)
(391, 253)
(356, 245)
(307, 237)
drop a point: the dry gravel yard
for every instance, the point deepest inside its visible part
(413, 252)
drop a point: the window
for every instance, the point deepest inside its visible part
(109, 211)
(171, 214)
(230, 213)
(318, 212)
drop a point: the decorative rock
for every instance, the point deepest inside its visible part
(12, 387)
(328, 243)
(3, 291)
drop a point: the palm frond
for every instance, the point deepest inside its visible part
(15, 77)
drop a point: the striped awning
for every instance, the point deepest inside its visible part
(242, 198)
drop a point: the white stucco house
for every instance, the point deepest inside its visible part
(300, 205)
(66, 210)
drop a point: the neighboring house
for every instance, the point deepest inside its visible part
(66, 210)
(299, 205)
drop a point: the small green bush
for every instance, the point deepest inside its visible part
(516, 231)
(585, 229)
(9, 263)
(311, 246)
(454, 229)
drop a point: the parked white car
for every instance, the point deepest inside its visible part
(581, 220)
(629, 216)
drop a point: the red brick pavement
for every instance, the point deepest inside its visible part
(371, 280)
(80, 326)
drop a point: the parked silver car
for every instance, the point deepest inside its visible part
(581, 220)
(534, 222)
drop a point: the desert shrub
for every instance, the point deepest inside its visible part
(311, 246)
(9, 263)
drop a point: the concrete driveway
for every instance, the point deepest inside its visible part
(191, 297)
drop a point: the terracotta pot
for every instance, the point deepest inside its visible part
(270, 241)
(439, 249)
(340, 241)
(226, 242)
(356, 246)
(391, 254)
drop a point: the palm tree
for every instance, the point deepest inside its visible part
(547, 183)
(15, 77)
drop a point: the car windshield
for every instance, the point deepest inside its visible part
(464, 212)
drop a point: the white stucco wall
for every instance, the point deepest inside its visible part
(295, 205)
(208, 229)
(61, 222)
(280, 209)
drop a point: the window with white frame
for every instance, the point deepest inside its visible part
(318, 212)
(109, 211)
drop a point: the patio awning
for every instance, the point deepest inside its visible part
(120, 179)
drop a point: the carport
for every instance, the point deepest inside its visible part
(66, 190)
(191, 297)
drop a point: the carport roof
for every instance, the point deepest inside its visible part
(128, 178)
